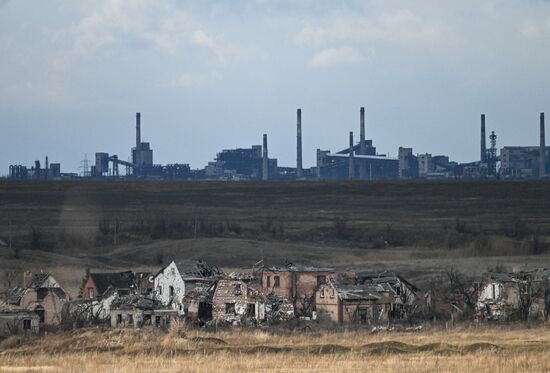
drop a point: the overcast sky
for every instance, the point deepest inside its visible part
(208, 75)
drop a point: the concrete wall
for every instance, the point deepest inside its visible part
(170, 277)
(12, 323)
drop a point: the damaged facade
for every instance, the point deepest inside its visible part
(236, 302)
(41, 294)
(514, 296)
(135, 311)
(296, 283)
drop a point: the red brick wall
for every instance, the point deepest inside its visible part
(89, 284)
(285, 288)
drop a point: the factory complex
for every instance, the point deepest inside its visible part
(357, 161)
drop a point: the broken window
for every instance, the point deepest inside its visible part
(237, 289)
(276, 281)
(494, 291)
(332, 292)
(171, 291)
(321, 280)
(130, 319)
(147, 320)
(119, 319)
(230, 308)
(322, 292)
(398, 290)
(90, 293)
(27, 324)
(157, 321)
(251, 310)
(268, 281)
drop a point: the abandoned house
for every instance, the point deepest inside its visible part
(513, 296)
(406, 297)
(101, 289)
(18, 321)
(198, 299)
(366, 304)
(41, 294)
(235, 301)
(297, 283)
(137, 311)
(169, 287)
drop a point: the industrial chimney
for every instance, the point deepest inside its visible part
(542, 151)
(138, 131)
(483, 140)
(265, 160)
(362, 145)
(351, 163)
(299, 144)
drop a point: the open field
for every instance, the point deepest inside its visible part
(480, 350)
(417, 228)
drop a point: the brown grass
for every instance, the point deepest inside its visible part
(483, 350)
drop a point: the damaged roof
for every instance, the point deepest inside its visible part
(38, 280)
(357, 292)
(118, 280)
(14, 295)
(130, 302)
(292, 267)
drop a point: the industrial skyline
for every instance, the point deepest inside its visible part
(360, 160)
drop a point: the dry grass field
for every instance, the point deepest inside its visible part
(479, 350)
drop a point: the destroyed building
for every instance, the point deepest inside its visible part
(514, 296)
(41, 294)
(18, 321)
(367, 304)
(296, 283)
(137, 311)
(169, 287)
(236, 302)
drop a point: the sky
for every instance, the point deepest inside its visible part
(210, 75)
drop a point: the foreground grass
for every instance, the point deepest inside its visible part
(483, 350)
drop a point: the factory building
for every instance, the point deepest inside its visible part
(241, 164)
(525, 162)
(50, 171)
(358, 161)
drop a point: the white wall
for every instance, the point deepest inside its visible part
(170, 277)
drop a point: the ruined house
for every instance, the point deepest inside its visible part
(41, 294)
(513, 296)
(406, 298)
(18, 321)
(198, 300)
(366, 304)
(297, 283)
(169, 288)
(137, 311)
(100, 290)
(234, 301)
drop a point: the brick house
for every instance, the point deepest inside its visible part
(297, 283)
(41, 294)
(366, 304)
(235, 301)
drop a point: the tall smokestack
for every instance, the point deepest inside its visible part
(138, 130)
(483, 140)
(362, 145)
(542, 151)
(351, 164)
(299, 144)
(265, 160)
